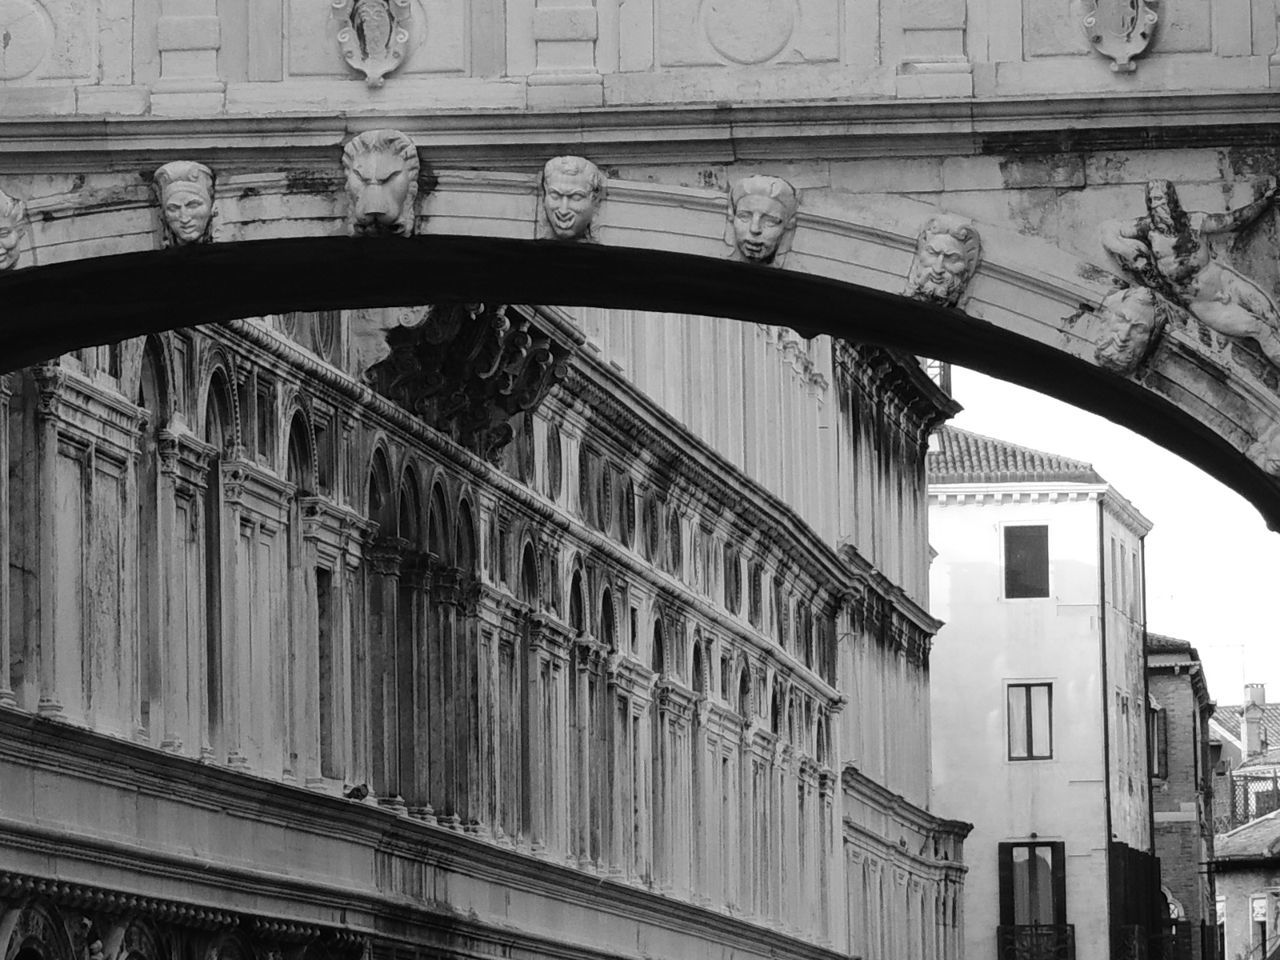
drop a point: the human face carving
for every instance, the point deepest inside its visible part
(378, 183)
(569, 203)
(11, 231)
(758, 225)
(940, 269)
(1129, 322)
(187, 209)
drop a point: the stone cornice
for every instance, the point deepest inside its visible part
(712, 133)
(886, 801)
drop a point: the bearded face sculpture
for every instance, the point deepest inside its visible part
(948, 251)
(13, 227)
(1131, 320)
(572, 191)
(186, 202)
(382, 183)
(762, 219)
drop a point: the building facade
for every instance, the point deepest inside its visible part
(1041, 724)
(529, 640)
(1182, 790)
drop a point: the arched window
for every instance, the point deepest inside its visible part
(381, 507)
(464, 550)
(698, 681)
(438, 525)
(775, 712)
(659, 652)
(744, 693)
(529, 576)
(577, 608)
(219, 433)
(607, 626)
(409, 520)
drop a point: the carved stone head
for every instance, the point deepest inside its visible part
(948, 251)
(1265, 451)
(13, 226)
(572, 191)
(186, 201)
(1164, 207)
(382, 183)
(762, 219)
(1131, 319)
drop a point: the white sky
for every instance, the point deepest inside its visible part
(1212, 565)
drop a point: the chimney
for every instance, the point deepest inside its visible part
(1255, 699)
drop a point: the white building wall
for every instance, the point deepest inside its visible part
(989, 642)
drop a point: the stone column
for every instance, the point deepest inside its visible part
(49, 380)
(7, 698)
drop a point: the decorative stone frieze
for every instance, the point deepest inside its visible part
(373, 35)
(469, 370)
(761, 219)
(1119, 29)
(13, 228)
(185, 192)
(1167, 251)
(948, 253)
(381, 169)
(571, 191)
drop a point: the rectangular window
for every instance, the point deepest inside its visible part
(1030, 721)
(1033, 889)
(1157, 733)
(1026, 561)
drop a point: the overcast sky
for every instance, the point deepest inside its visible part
(1213, 568)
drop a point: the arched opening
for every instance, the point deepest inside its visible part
(744, 693)
(608, 625)
(698, 680)
(658, 652)
(577, 607)
(438, 526)
(464, 550)
(529, 576)
(219, 434)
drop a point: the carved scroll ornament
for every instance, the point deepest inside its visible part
(1166, 251)
(571, 192)
(381, 168)
(762, 219)
(13, 227)
(948, 253)
(1119, 29)
(373, 35)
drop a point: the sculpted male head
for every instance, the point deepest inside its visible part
(1130, 320)
(382, 183)
(762, 218)
(572, 191)
(13, 225)
(186, 201)
(1164, 207)
(948, 251)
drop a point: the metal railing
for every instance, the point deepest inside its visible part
(1039, 941)
(1245, 797)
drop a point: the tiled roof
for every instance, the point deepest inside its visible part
(1257, 838)
(1268, 758)
(1229, 717)
(1159, 643)
(964, 457)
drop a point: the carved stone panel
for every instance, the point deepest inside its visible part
(747, 32)
(373, 35)
(437, 41)
(1119, 29)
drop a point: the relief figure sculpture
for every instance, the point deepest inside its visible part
(1166, 251)
(13, 226)
(572, 189)
(762, 219)
(382, 183)
(948, 252)
(186, 202)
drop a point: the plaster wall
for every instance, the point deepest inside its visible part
(989, 642)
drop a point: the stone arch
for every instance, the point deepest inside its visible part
(379, 495)
(577, 597)
(300, 451)
(34, 930)
(157, 351)
(439, 526)
(608, 630)
(1029, 319)
(218, 399)
(466, 545)
(658, 647)
(409, 525)
(218, 367)
(529, 590)
(698, 661)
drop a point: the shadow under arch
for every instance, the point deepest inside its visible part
(52, 309)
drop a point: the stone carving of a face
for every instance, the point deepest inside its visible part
(948, 251)
(1265, 451)
(186, 201)
(13, 226)
(572, 191)
(1131, 319)
(382, 183)
(762, 219)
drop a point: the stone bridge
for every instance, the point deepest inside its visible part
(1033, 129)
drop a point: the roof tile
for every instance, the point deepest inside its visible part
(964, 457)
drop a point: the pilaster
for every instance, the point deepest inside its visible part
(188, 36)
(7, 698)
(555, 42)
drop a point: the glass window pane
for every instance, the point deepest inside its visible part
(1041, 908)
(1026, 561)
(1017, 723)
(1041, 742)
(1021, 885)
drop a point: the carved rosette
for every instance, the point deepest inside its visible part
(1119, 29)
(373, 35)
(469, 370)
